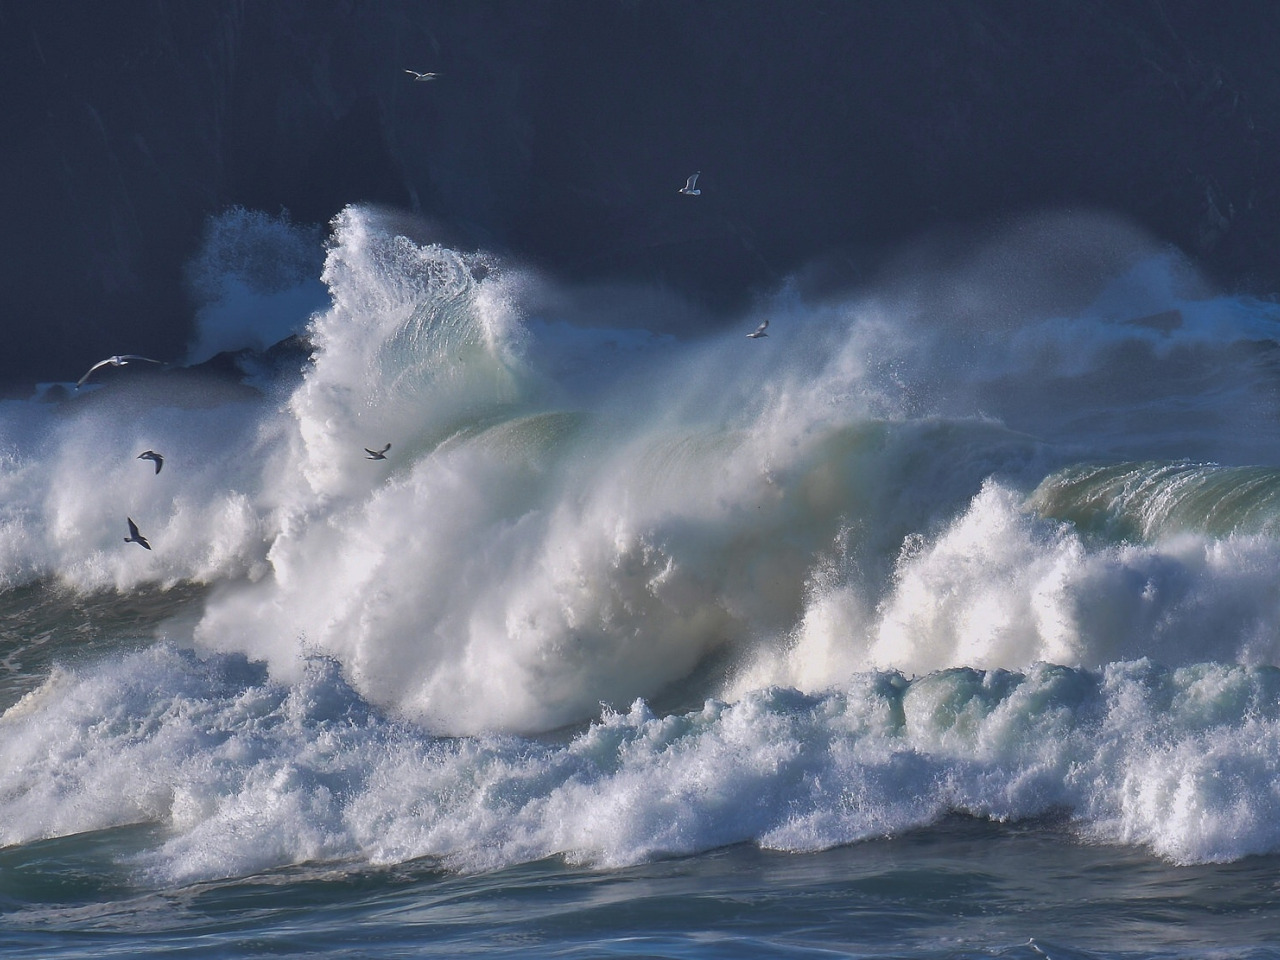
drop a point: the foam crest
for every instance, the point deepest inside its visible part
(1001, 586)
(246, 774)
(413, 348)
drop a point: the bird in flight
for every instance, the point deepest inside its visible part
(377, 454)
(154, 457)
(690, 189)
(422, 76)
(759, 331)
(119, 361)
(134, 536)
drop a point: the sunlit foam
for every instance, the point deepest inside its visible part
(245, 774)
(568, 516)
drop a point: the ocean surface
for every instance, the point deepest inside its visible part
(942, 622)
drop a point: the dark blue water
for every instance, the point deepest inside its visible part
(964, 888)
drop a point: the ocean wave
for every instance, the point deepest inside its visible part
(572, 514)
(1148, 500)
(245, 774)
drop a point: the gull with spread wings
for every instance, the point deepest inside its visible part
(156, 458)
(120, 361)
(134, 536)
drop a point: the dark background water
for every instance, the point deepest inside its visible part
(964, 888)
(827, 133)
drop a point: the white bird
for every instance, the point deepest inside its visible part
(119, 361)
(422, 76)
(134, 536)
(154, 457)
(759, 331)
(377, 454)
(690, 188)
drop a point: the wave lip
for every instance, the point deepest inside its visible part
(1147, 500)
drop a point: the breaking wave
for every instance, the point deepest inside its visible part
(898, 559)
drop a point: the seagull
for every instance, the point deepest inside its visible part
(153, 457)
(759, 332)
(690, 189)
(134, 536)
(377, 454)
(119, 361)
(422, 76)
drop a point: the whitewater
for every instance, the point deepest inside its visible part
(976, 562)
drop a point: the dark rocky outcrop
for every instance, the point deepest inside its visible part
(559, 131)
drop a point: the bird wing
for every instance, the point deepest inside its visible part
(89, 372)
(693, 181)
(133, 356)
(135, 536)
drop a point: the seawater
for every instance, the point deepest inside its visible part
(932, 625)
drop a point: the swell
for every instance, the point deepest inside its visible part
(1147, 500)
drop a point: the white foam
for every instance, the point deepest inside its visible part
(570, 517)
(246, 774)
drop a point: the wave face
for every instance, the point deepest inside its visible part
(1061, 525)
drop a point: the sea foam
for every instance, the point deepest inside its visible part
(571, 516)
(245, 774)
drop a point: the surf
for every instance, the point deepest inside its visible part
(573, 513)
(245, 774)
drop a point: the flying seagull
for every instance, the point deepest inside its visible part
(377, 454)
(690, 188)
(759, 332)
(119, 361)
(134, 536)
(422, 76)
(153, 457)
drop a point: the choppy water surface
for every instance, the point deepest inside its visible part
(960, 888)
